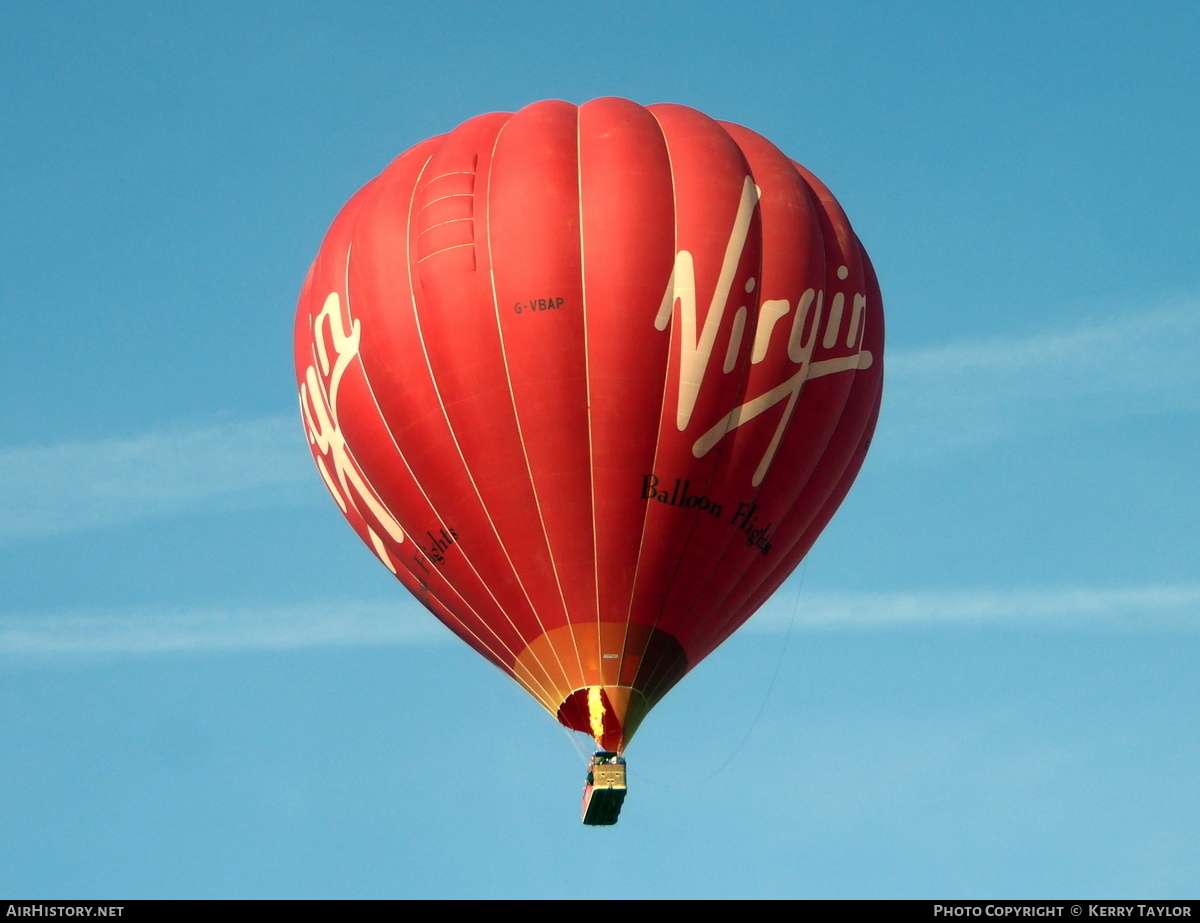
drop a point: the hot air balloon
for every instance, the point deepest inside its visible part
(590, 381)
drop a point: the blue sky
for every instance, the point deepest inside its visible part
(982, 683)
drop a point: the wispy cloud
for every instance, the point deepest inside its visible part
(963, 394)
(1158, 607)
(150, 630)
(62, 488)
(141, 631)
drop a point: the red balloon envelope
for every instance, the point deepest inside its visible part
(590, 381)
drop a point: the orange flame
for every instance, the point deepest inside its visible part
(596, 713)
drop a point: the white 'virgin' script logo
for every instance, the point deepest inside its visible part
(318, 405)
(696, 351)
